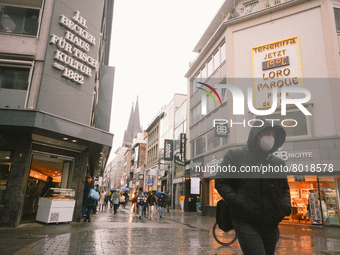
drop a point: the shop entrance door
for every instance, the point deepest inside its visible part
(43, 166)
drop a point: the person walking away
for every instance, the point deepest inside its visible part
(146, 204)
(168, 202)
(141, 202)
(151, 201)
(134, 203)
(110, 195)
(115, 199)
(161, 202)
(257, 205)
(107, 198)
(102, 199)
(126, 195)
(88, 203)
(94, 209)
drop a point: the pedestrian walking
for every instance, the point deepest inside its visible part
(94, 208)
(110, 195)
(161, 203)
(115, 199)
(102, 199)
(88, 203)
(126, 196)
(257, 205)
(107, 198)
(134, 203)
(151, 201)
(145, 208)
(141, 202)
(168, 202)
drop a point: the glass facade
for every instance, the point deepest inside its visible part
(315, 199)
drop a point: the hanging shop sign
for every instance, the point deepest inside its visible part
(182, 149)
(276, 65)
(168, 150)
(221, 130)
(178, 159)
(71, 54)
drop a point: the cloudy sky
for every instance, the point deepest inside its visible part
(152, 43)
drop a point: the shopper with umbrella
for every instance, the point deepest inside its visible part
(158, 195)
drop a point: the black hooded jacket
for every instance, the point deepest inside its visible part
(256, 199)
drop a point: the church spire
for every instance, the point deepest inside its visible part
(133, 126)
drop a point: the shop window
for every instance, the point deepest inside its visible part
(329, 201)
(4, 173)
(304, 200)
(18, 20)
(14, 83)
(214, 196)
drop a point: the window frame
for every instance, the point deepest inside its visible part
(39, 19)
(21, 64)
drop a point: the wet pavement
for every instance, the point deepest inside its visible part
(175, 233)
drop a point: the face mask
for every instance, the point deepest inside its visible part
(267, 142)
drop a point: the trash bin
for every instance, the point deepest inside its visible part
(199, 208)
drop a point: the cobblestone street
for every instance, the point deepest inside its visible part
(175, 233)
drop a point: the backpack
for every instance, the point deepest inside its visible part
(223, 216)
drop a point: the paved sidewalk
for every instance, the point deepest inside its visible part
(175, 233)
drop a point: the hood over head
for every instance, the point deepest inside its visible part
(280, 137)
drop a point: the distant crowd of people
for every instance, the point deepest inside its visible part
(142, 203)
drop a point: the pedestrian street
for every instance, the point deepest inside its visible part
(176, 233)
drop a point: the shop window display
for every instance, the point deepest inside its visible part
(214, 196)
(300, 189)
(329, 201)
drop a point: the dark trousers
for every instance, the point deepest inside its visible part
(256, 240)
(88, 213)
(115, 207)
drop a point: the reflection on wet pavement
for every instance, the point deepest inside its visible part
(175, 233)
